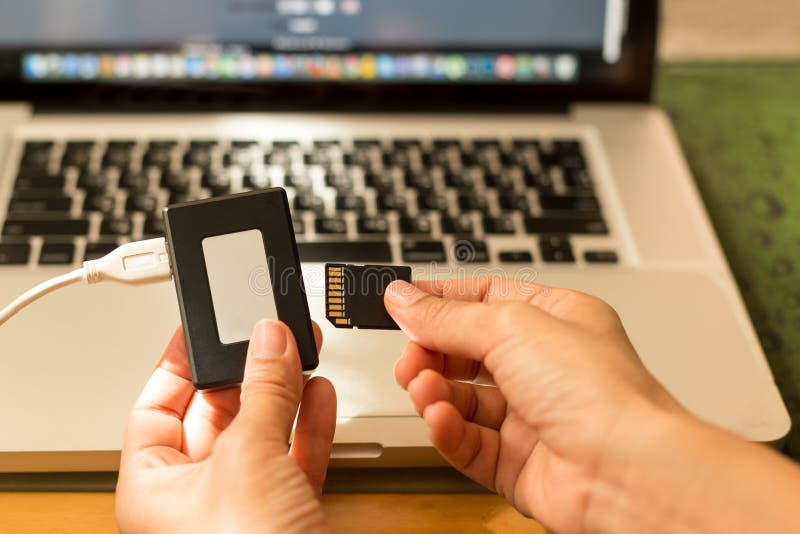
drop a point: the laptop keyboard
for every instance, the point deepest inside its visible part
(516, 201)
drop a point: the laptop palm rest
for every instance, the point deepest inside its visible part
(683, 325)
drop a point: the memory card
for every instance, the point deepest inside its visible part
(354, 294)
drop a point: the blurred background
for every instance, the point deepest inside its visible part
(729, 78)
(730, 30)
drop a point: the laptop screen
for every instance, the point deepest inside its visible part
(353, 41)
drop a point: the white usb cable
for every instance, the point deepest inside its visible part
(137, 263)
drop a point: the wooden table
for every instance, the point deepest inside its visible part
(66, 513)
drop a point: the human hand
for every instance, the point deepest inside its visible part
(572, 402)
(220, 461)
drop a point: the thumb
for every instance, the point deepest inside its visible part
(272, 384)
(455, 327)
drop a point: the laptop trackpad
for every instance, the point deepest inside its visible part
(683, 325)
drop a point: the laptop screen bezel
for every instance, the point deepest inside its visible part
(639, 51)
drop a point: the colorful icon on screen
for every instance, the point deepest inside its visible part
(456, 67)
(565, 67)
(385, 67)
(34, 67)
(505, 67)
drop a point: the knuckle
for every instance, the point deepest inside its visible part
(436, 310)
(509, 315)
(272, 384)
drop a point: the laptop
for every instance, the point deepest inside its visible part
(460, 137)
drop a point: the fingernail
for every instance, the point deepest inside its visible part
(269, 339)
(402, 293)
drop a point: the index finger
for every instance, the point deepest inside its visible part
(490, 290)
(468, 328)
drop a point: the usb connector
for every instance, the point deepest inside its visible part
(137, 263)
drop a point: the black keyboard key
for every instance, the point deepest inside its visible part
(154, 226)
(37, 154)
(353, 251)
(145, 203)
(503, 181)
(135, 182)
(299, 181)
(340, 182)
(367, 143)
(14, 253)
(380, 181)
(432, 202)
(539, 180)
(218, 184)
(527, 143)
(37, 201)
(567, 146)
(308, 202)
(255, 182)
(202, 143)
(373, 225)
(121, 226)
(468, 251)
(57, 254)
(578, 179)
(24, 226)
(473, 202)
(99, 202)
(399, 159)
(40, 181)
(77, 154)
(299, 226)
(176, 182)
(121, 144)
(460, 180)
(391, 202)
(93, 182)
(331, 225)
(549, 159)
(499, 225)
(422, 181)
(601, 256)
(158, 156)
(566, 225)
(415, 225)
(404, 144)
(556, 249)
(119, 157)
(423, 251)
(162, 143)
(572, 161)
(198, 157)
(441, 144)
(458, 225)
(516, 256)
(486, 143)
(98, 250)
(350, 203)
(243, 143)
(581, 204)
(513, 202)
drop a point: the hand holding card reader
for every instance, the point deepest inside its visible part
(235, 262)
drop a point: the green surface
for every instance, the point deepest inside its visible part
(740, 128)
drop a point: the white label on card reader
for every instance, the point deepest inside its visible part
(240, 283)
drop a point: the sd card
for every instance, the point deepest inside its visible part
(354, 294)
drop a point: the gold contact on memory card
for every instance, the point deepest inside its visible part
(335, 303)
(354, 294)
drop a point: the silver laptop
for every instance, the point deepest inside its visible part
(463, 138)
